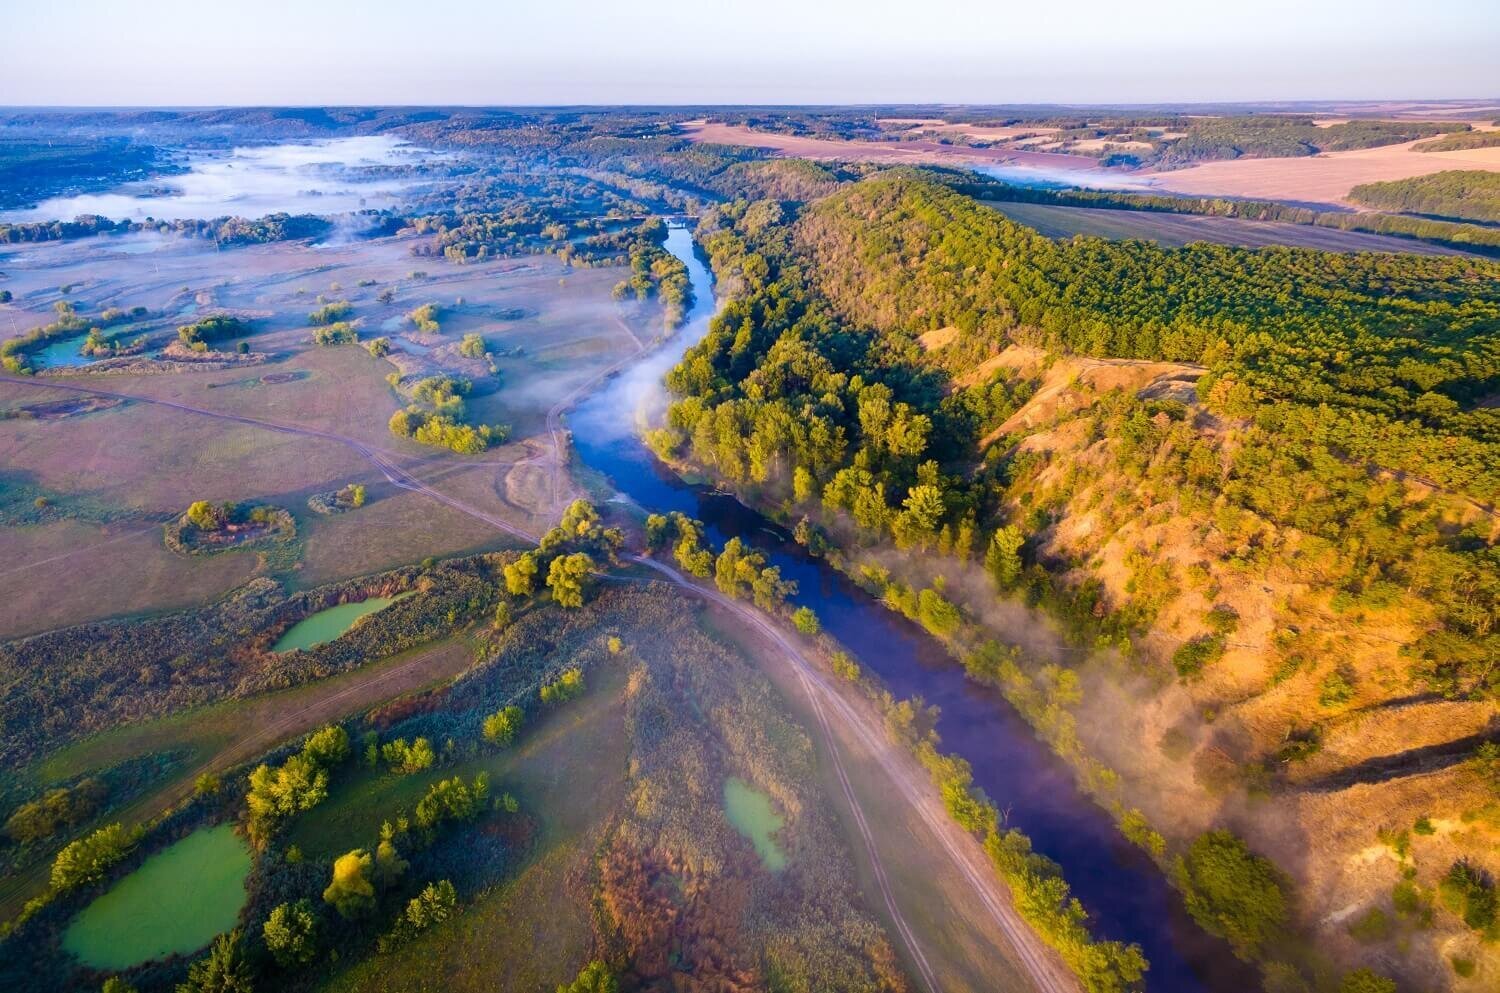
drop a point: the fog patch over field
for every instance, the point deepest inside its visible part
(334, 176)
(1050, 178)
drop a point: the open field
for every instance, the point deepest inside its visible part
(909, 152)
(557, 774)
(1318, 179)
(954, 933)
(1175, 230)
(551, 329)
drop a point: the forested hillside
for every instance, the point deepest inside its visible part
(1466, 194)
(1301, 543)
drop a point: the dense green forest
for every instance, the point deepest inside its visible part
(1465, 194)
(1334, 364)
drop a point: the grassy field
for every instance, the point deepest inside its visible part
(1176, 230)
(958, 939)
(501, 941)
(550, 329)
(226, 734)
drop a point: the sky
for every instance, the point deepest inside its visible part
(528, 52)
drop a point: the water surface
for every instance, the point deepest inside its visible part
(175, 903)
(752, 815)
(328, 624)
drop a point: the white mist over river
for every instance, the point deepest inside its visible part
(321, 177)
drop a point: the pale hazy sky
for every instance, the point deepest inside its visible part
(202, 52)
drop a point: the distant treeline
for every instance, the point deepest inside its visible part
(1470, 236)
(33, 168)
(1460, 141)
(225, 230)
(1466, 194)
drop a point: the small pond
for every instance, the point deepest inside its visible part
(752, 815)
(63, 352)
(176, 902)
(328, 624)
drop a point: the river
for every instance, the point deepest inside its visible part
(1123, 890)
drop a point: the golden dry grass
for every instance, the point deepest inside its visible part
(1324, 178)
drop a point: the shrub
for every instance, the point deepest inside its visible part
(435, 904)
(806, 621)
(451, 800)
(501, 727)
(1469, 892)
(89, 858)
(565, 687)
(291, 934)
(845, 667)
(1371, 926)
(1365, 981)
(351, 893)
(408, 758)
(338, 333)
(425, 318)
(57, 808)
(223, 971)
(592, 978)
(330, 313)
(1336, 689)
(1232, 892)
(1192, 656)
(472, 346)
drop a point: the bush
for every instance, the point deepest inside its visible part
(223, 971)
(435, 904)
(565, 687)
(1192, 656)
(406, 759)
(291, 934)
(1372, 926)
(351, 893)
(806, 621)
(472, 346)
(89, 858)
(1232, 892)
(331, 313)
(57, 808)
(501, 727)
(592, 978)
(1469, 892)
(1365, 981)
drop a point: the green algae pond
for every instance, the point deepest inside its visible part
(326, 625)
(176, 902)
(752, 815)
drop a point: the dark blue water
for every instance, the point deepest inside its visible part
(1120, 886)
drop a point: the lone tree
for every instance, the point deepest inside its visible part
(223, 971)
(205, 516)
(501, 727)
(566, 578)
(351, 893)
(1233, 892)
(291, 934)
